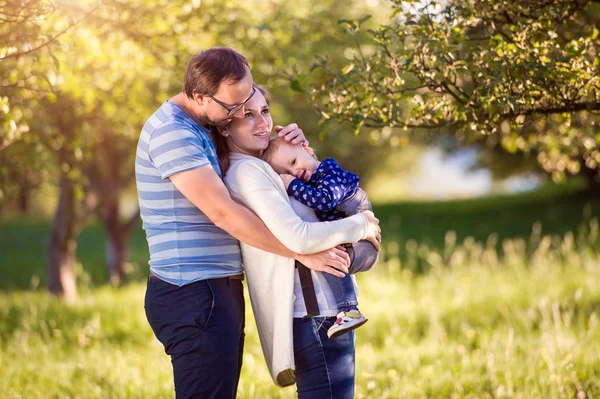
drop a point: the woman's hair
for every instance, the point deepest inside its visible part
(221, 145)
(206, 70)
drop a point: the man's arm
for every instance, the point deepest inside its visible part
(204, 188)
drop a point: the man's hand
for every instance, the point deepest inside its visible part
(292, 133)
(287, 179)
(333, 261)
(374, 233)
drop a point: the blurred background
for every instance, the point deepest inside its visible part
(473, 127)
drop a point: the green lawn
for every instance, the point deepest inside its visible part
(558, 209)
(452, 315)
(517, 327)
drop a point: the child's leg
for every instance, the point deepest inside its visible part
(343, 291)
(358, 202)
(349, 317)
(363, 256)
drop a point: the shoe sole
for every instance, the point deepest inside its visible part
(345, 330)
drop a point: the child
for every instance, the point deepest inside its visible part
(334, 194)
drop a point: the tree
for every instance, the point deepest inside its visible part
(110, 72)
(280, 41)
(24, 169)
(110, 79)
(521, 74)
(30, 32)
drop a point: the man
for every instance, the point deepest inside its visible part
(194, 299)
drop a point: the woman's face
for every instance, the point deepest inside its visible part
(250, 134)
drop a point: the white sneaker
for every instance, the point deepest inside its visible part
(346, 321)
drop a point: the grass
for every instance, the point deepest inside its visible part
(552, 210)
(474, 326)
(466, 302)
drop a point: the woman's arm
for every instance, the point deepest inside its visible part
(262, 191)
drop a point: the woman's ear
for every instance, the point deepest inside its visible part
(223, 131)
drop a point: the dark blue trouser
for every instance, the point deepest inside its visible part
(324, 366)
(201, 326)
(363, 254)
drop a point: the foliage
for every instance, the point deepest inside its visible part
(524, 74)
(106, 76)
(24, 169)
(30, 33)
(280, 40)
(115, 70)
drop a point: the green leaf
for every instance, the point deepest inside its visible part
(296, 86)
(346, 70)
(365, 18)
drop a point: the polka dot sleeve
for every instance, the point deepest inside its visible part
(330, 185)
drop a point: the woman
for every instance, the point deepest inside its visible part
(296, 348)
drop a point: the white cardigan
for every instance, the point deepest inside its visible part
(255, 184)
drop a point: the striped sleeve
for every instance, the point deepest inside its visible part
(174, 147)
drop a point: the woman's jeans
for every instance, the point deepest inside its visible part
(201, 326)
(324, 366)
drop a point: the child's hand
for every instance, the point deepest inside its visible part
(287, 179)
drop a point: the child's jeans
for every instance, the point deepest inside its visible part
(363, 254)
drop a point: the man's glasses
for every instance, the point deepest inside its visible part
(235, 108)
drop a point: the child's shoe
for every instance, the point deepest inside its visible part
(346, 321)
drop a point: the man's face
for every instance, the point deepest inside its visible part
(230, 94)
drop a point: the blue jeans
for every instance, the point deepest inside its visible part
(324, 366)
(363, 254)
(343, 290)
(201, 326)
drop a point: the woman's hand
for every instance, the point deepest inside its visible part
(287, 179)
(374, 231)
(292, 133)
(333, 261)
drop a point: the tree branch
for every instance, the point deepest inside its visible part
(18, 54)
(574, 107)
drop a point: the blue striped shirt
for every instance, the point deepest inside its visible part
(185, 246)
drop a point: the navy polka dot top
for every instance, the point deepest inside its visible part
(327, 187)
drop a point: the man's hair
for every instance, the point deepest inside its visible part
(207, 69)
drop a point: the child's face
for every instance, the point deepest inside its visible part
(295, 160)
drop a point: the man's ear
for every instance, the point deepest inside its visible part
(199, 99)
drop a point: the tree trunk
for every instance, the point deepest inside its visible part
(116, 256)
(24, 195)
(117, 241)
(116, 244)
(62, 245)
(593, 177)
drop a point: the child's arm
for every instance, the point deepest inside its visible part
(331, 188)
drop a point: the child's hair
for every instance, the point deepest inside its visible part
(274, 144)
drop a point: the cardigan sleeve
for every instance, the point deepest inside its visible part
(251, 184)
